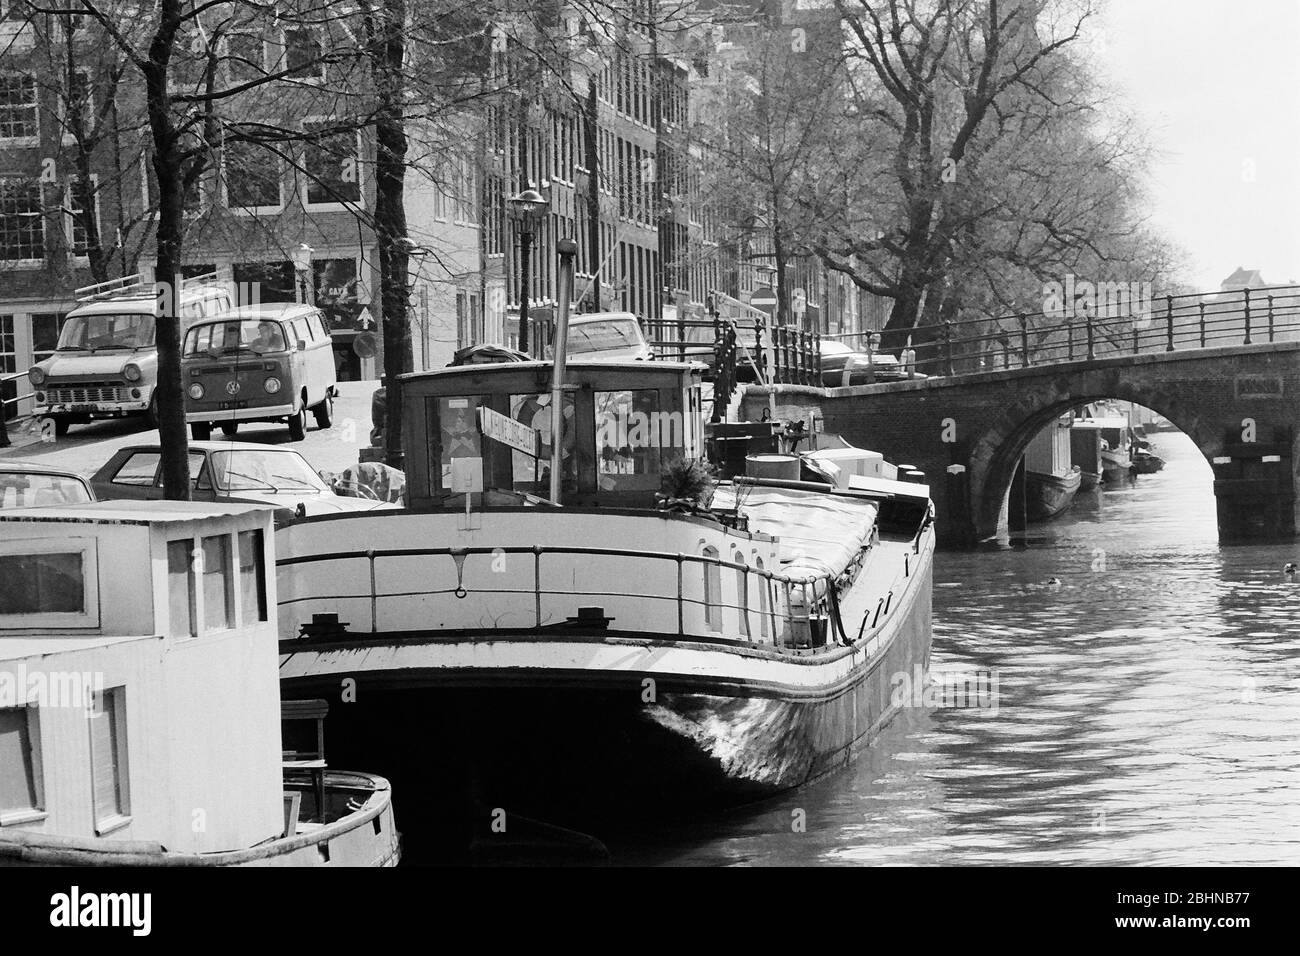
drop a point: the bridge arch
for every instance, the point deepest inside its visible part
(996, 453)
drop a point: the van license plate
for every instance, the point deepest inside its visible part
(242, 403)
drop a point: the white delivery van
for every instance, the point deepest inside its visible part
(106, 361)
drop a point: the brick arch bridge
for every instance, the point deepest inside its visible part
(967, 432)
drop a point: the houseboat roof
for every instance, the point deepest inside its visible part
(132, 512)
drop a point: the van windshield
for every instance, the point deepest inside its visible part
(131, 330)
(247, 335)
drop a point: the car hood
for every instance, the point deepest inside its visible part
(628, 354)
(105, 363)
(313, 504)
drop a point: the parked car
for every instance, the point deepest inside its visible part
(608, 337)
(837, 356)
(230, 471)
(105, 364)
(25, 484)
(259, 363)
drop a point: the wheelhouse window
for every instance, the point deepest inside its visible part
(181, 588)
(252, 577)
(632, 438)
(458, 431)
(108, 760)
(21, 786)
(218, 584)
(531, 474)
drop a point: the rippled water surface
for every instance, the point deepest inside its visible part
(1147, 706)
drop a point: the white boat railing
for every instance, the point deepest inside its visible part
(805, 599)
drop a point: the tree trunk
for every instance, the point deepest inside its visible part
(170, 395)
(390, 222)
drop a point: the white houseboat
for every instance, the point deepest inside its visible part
(615, 651)
(140, 719)
(1051, 477)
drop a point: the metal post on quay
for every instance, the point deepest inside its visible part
(567, 248)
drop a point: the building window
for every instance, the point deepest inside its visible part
(302, 48)
(21, 797)
(108, 762)
(333, 167)
(218, 584)
(181, 588)
(18, 107)
(79, 199)
(245, 56)
(252, 177)
(252, 577)
(22, 223)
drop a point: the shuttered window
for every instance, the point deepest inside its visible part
(108, 765)
(19, 783)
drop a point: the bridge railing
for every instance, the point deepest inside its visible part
(1166, 324)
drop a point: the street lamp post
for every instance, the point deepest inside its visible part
(527, 209)
(301, 267)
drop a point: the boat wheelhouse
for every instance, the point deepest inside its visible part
(638, 644)
(140, 719)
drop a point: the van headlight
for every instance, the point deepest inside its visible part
(132, 373)
(196, 391)
(272, 385)
(37, 375)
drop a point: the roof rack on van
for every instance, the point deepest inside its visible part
(135, 286)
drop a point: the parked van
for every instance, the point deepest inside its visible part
(259, 363)
(106, 362)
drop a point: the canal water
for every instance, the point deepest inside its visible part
(1143, 709)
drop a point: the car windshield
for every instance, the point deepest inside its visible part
(261, 469)
(831, 348)
(20, 489)
(130, 330)
(596, 336)
(246, 335)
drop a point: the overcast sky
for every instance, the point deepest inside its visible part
(1218, 85)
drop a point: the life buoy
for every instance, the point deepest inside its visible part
(537, 416)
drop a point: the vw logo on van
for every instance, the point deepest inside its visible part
(232, 388)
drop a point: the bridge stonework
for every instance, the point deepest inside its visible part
(1239, 404)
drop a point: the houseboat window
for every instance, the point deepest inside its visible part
(49, 583)
(764, 602)
(20, 783)
(252, 577)
(534, 474)
(108, 765)
(742, 594)
(458, 431)
(218, 584)
(712, 590)
(181, 588)
(632, 435)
